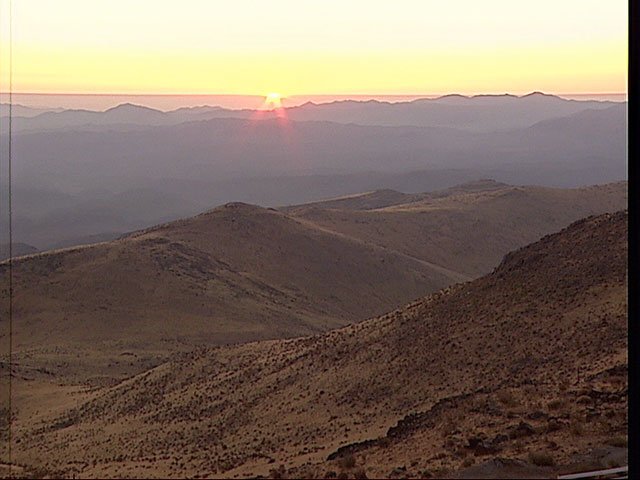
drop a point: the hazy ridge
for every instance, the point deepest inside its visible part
(133, 167)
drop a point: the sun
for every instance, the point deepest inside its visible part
(272, 101)
(272, 107)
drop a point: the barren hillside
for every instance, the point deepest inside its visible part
(237, 273)
(528, 362)
(467, 228)
(242, 273)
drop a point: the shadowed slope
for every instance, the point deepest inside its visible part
(241, 273)
(553, 313)
(236, 273)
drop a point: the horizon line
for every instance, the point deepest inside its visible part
(300, 94)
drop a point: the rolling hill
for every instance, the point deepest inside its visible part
(241, 273)
(467, 228)
(527, 363)
(234, 274)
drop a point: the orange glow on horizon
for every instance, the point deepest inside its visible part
(301, 48)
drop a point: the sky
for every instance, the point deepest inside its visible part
(305, 47)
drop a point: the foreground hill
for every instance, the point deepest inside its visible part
(527, 362)
(234, 274)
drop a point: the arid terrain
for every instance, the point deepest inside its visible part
(238, 273)
(519, 372)
(320, 239)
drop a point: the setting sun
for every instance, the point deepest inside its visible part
(407, 47)
(272, 101)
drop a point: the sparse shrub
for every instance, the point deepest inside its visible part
(347, 462)
(448, 428)
(440, 472)
(467, 462)
(555, 404)
(360, 474)
(541, 459)
(343, 476)
(384, 442)
(584, 399)
(553, 426)
(277, 472)
(576, 427)
(507, 398)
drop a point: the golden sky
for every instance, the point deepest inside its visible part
(299, 47)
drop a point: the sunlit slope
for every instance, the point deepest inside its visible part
(467, 228)
(476, 360)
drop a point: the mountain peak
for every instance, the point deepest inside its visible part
(127, 106)
(538, 94)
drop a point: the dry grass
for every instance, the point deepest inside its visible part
(231, 410)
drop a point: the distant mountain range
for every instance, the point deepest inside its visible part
(481, 113)
(83, 176)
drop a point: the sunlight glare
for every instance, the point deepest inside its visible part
(272, 101)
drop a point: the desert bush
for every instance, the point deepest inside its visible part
(448, 427)
(555, 404)
(541, 459)
(467, 462)
(440, 472)
(360, 474)
(507, 398)
(384, 442)
(347, 462)
(277, 472)
(576, 427)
